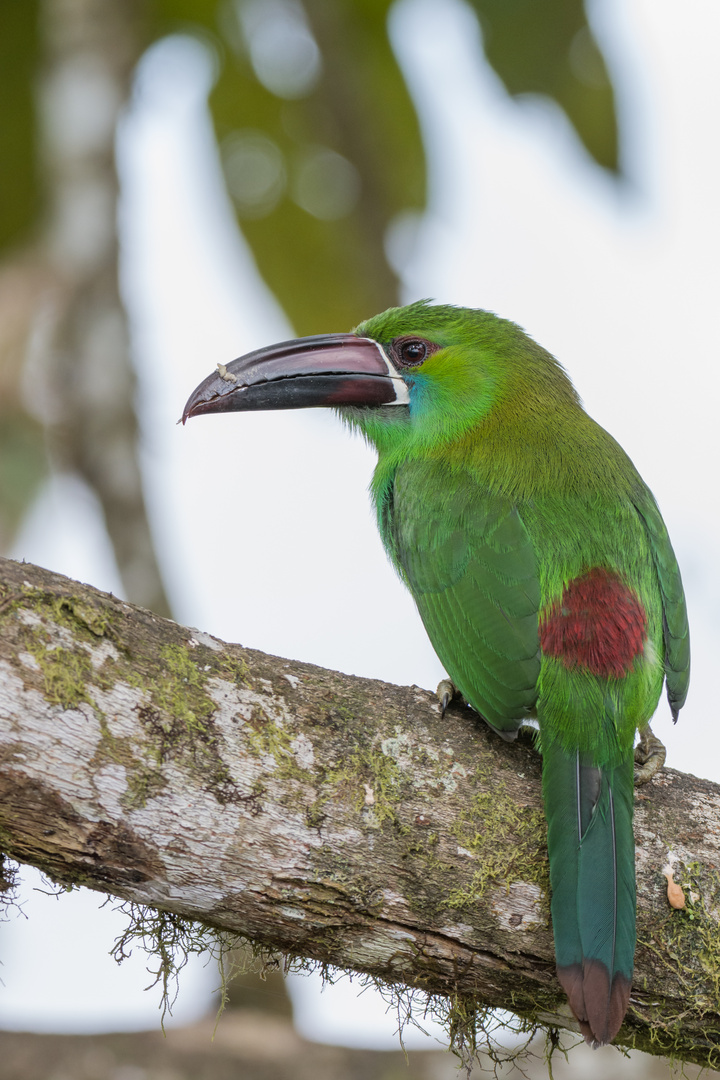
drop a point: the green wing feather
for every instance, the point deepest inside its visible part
(471, 567)
(675, 622)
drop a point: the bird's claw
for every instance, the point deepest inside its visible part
(446, 691)
(650, 756)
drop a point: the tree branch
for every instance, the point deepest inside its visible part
(322, 815)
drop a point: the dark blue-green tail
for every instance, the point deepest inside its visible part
(592, 874)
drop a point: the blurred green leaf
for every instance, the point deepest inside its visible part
(321, 146)
(547, 47)
(19, 188)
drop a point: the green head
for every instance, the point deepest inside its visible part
(460, 366)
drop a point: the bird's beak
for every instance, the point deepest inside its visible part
(331, 369)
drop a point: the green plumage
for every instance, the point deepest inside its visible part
(514, 519)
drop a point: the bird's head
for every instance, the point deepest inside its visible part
(423, 374)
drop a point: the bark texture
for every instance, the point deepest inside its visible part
(323, 815)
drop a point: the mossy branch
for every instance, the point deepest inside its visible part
(321, 815)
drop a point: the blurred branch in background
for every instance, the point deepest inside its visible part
(246, 1044)
(66, 359)
(254, 1046)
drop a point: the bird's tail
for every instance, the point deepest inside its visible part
(592, 874)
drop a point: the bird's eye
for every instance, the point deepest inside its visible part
(411, 351)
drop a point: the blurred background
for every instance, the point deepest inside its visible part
(184, 180)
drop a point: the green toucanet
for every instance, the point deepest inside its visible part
(541, 568)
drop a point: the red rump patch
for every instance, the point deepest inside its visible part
(599, 624)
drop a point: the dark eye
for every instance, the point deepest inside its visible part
(411, 351)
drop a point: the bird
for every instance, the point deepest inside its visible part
(541, 568)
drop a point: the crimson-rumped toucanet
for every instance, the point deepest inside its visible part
(541, 568)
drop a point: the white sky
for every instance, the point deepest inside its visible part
(620, 285)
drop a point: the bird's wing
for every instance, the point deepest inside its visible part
(471, 567)
(675, 622)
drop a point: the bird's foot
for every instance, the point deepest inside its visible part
(650, 756)
(446, 691)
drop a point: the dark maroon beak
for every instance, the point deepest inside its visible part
(331, 369)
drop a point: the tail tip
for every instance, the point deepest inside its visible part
(598, 1004)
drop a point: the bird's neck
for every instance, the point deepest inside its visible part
(520, 452)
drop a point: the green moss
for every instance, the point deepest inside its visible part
(315, 814)
(180, 719)
(65, 674)
(75, 613)
(180, 690)
(234, 670)
(374, 780)
(504, 838)
(144, 782)
(266, 736)
(116, 749)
